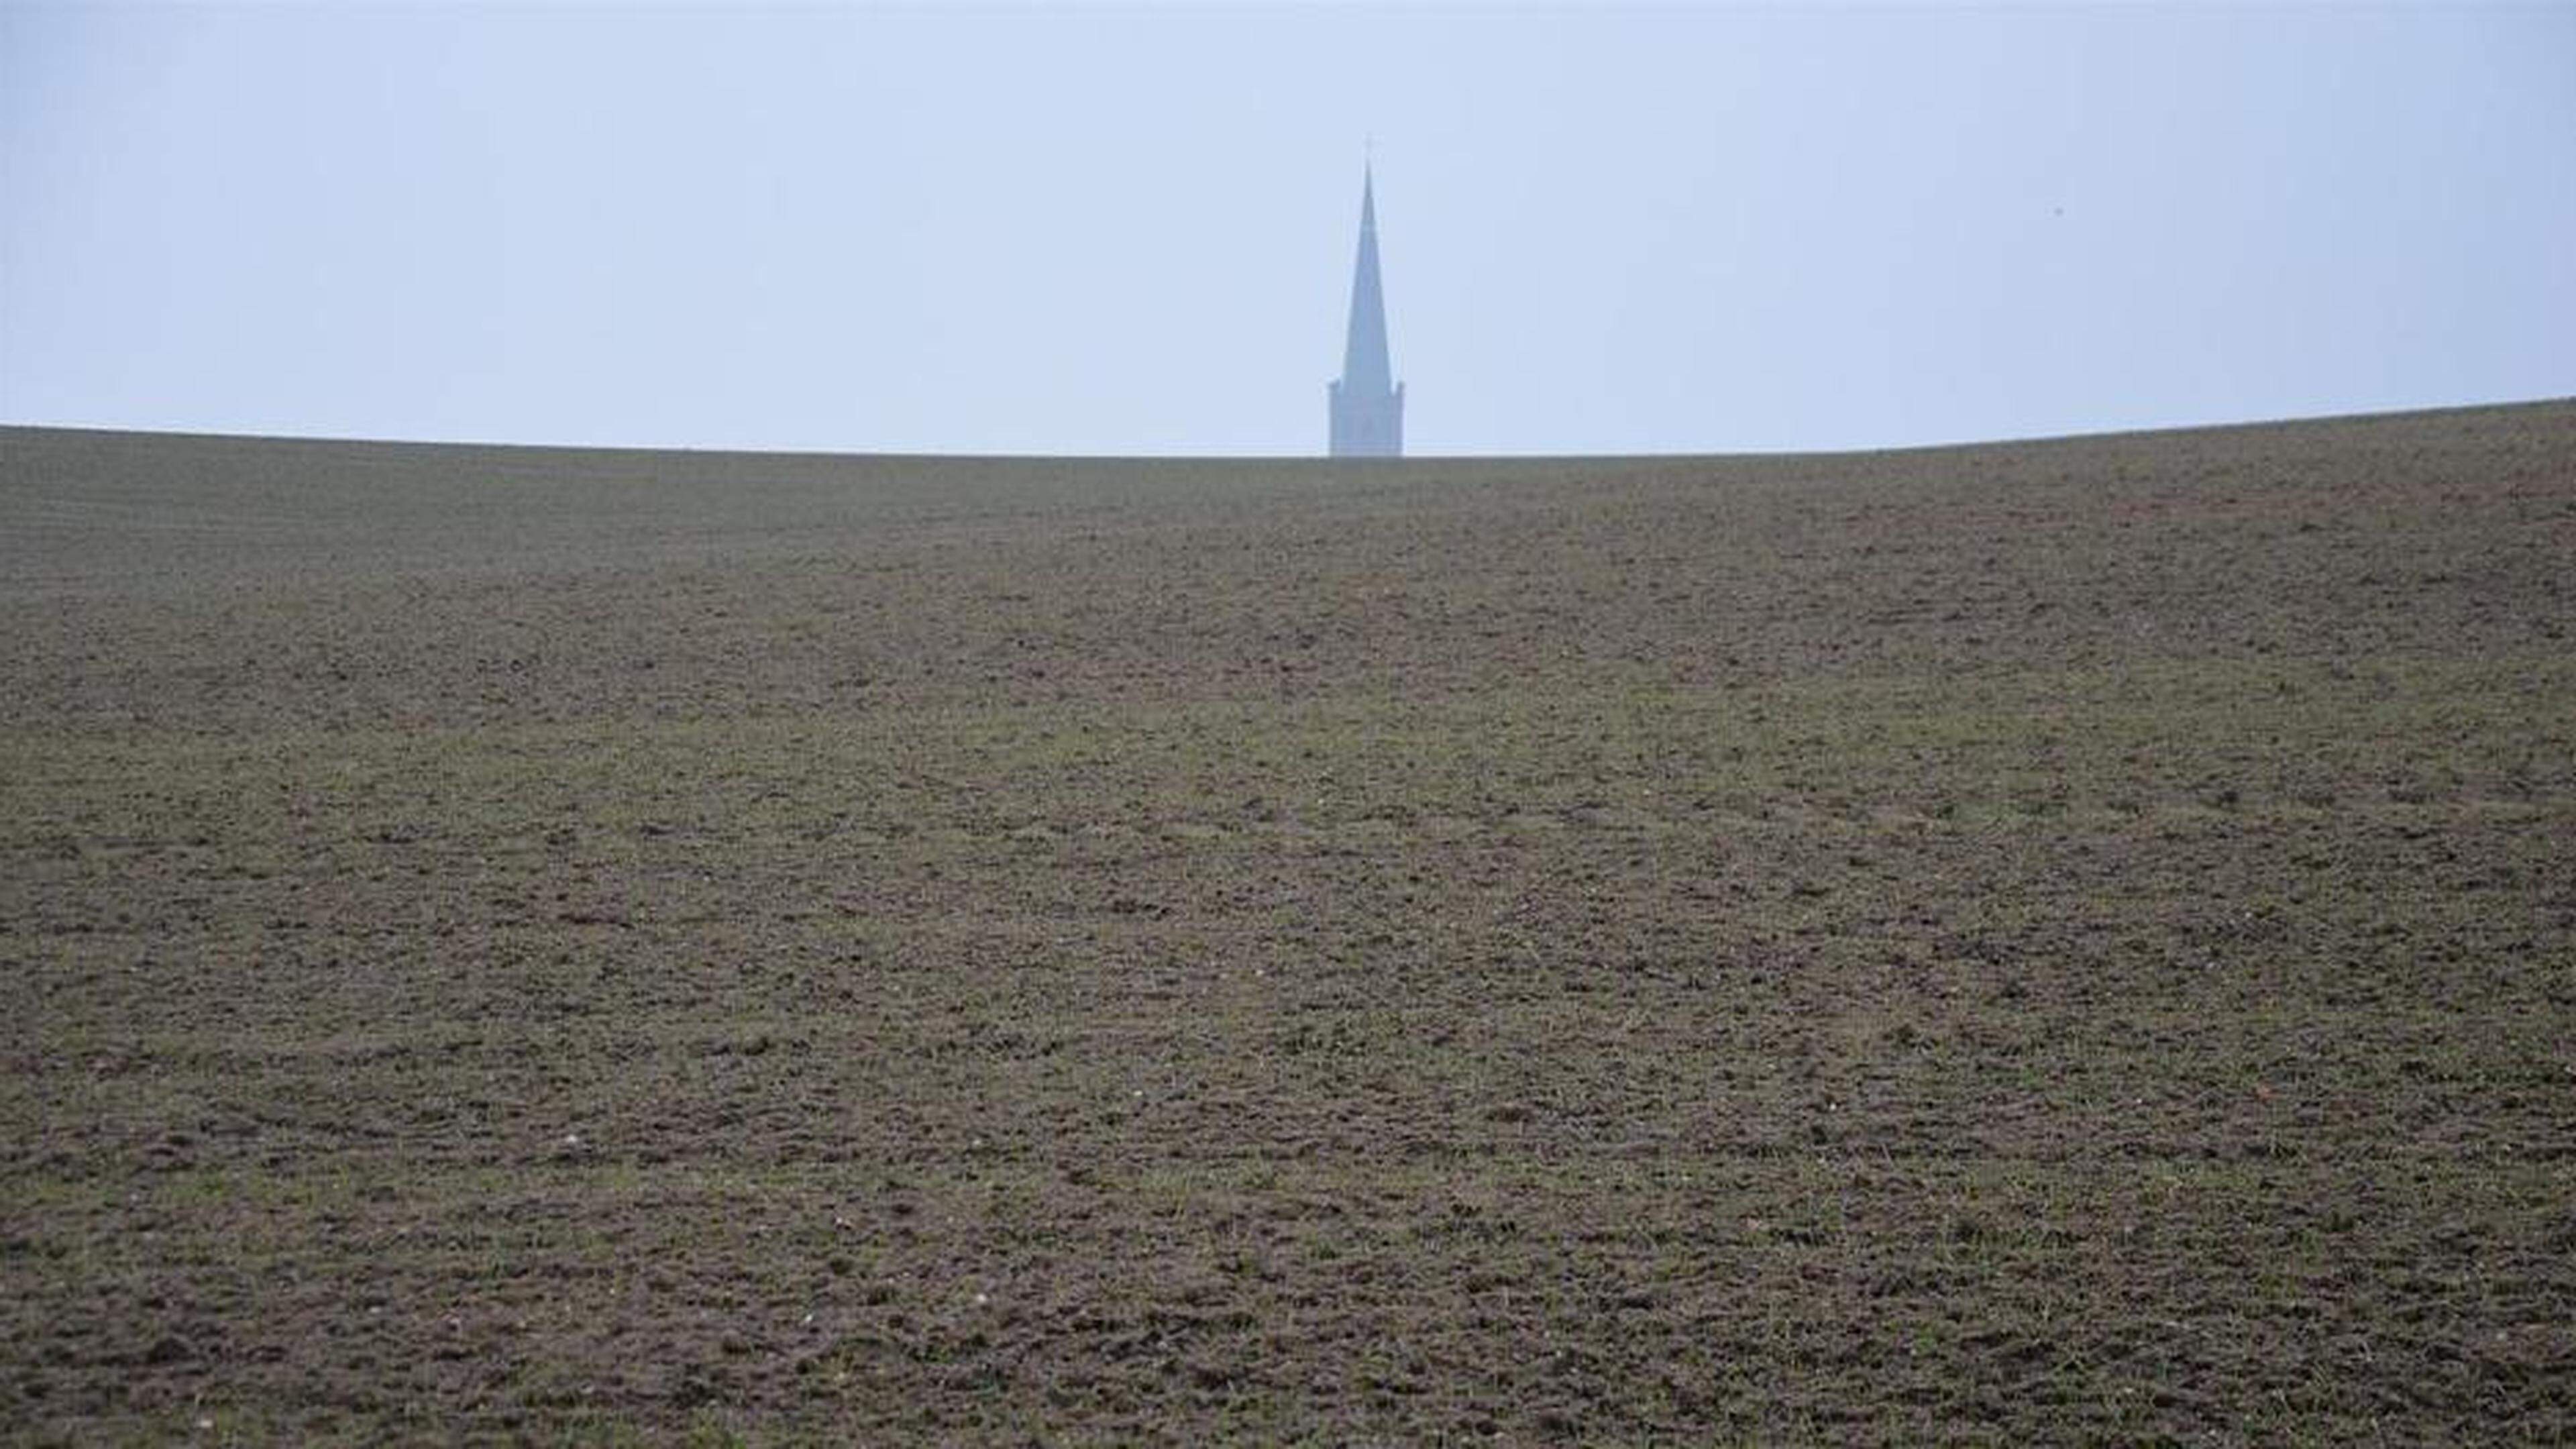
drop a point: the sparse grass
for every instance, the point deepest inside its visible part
(2040, 943)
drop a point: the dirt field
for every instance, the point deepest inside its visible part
(2051, 942)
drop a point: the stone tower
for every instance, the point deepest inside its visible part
(1367, 403)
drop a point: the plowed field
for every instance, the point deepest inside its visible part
(2055, 941)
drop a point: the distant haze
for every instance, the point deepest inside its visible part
(1015, 231)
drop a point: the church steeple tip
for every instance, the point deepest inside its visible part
(1366, 403)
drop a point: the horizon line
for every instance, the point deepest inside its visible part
(912, 455)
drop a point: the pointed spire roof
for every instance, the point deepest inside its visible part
(1365, 372)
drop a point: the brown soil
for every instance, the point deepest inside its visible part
(2060, 941)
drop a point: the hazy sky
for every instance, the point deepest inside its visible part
(1131, 231)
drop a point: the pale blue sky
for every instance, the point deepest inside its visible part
(1130, 231)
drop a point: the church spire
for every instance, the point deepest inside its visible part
(1364, 367)
(1367, 405)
